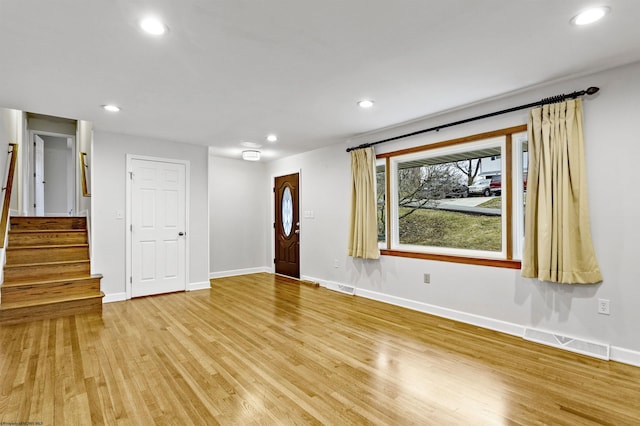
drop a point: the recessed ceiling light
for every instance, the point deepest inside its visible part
(365, 103)
(251, 155)
(590, 16)
(272, 138)
(153, 26)
(111, 108)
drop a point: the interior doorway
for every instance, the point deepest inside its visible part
(287, 225)
(54, 174)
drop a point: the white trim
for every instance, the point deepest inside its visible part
(30, 169)
(204, 285)
(625, 356)
(467, 318)
(618, 354)
(484, 322)
(114, 297)
(392, 177)
(236, 272)
(128, 250)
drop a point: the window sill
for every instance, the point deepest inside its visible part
(498, 263)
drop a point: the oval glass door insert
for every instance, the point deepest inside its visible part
(287, 211)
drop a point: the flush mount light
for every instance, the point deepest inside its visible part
(251, 155)
(272, 138)
(590, 16)
(153, 26)
(111, 108)
(365, 103)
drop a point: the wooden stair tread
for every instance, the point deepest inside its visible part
(53, 246)
(44, 231)
(61, 262)
(48, 282)
(48, 270)
(50, 301)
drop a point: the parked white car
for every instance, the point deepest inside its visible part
(481, 187)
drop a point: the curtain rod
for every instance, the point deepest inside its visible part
(553, 99)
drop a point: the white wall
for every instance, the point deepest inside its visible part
(109, 185)
(6, 136)
(238, 196)
(494, 297)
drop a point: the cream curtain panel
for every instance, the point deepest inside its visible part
(363, 229)
(558, 244)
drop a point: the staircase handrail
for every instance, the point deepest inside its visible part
(7, 191)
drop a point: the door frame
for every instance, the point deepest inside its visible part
(30, 169)
(128, 224)
(273, 217)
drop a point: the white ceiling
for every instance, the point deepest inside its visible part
(235, 70)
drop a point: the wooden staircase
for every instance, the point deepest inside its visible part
(48, 272)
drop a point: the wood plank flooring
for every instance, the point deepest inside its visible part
(260, 349)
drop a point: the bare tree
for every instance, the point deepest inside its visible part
(468, 169)
(422, 186)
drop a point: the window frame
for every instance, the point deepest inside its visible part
(512, 238)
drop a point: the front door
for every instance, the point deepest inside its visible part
(158, 224)
(287, 226)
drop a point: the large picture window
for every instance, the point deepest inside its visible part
(458, 200)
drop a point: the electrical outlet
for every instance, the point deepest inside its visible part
(604, 307)
(427, 278)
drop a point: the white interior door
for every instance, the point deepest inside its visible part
(158, 227)
(38, 166)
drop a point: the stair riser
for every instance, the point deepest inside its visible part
(58, 254)
(46, 272)
(55, 310)
(17, 239)
(32, 223)
(43, 292)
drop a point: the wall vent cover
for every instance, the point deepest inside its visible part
(594, 349)
(347, 289)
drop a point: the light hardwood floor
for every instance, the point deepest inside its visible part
(264, 350)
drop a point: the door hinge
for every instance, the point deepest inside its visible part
(130, 280)
(274, 260)
(274, 189)
(131, 175)
(274, 225)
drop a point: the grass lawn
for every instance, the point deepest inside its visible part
(451, 229)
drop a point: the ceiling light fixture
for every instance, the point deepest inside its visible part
(590, 16)
(153, 26)
(111, 108)
(365, 103)
(251, 155)
(272, 138)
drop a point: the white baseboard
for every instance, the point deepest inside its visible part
(467, 318)
(625, 356)
(331, 285)
(114, 297)
(198, 286)
(235, 272)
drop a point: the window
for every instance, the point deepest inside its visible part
(458, 200)
(381, 190)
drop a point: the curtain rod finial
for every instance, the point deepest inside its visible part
(592, 90)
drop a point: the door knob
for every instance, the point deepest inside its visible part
(297, 231)
(181, 234)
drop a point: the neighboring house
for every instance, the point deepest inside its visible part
(231, 214)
